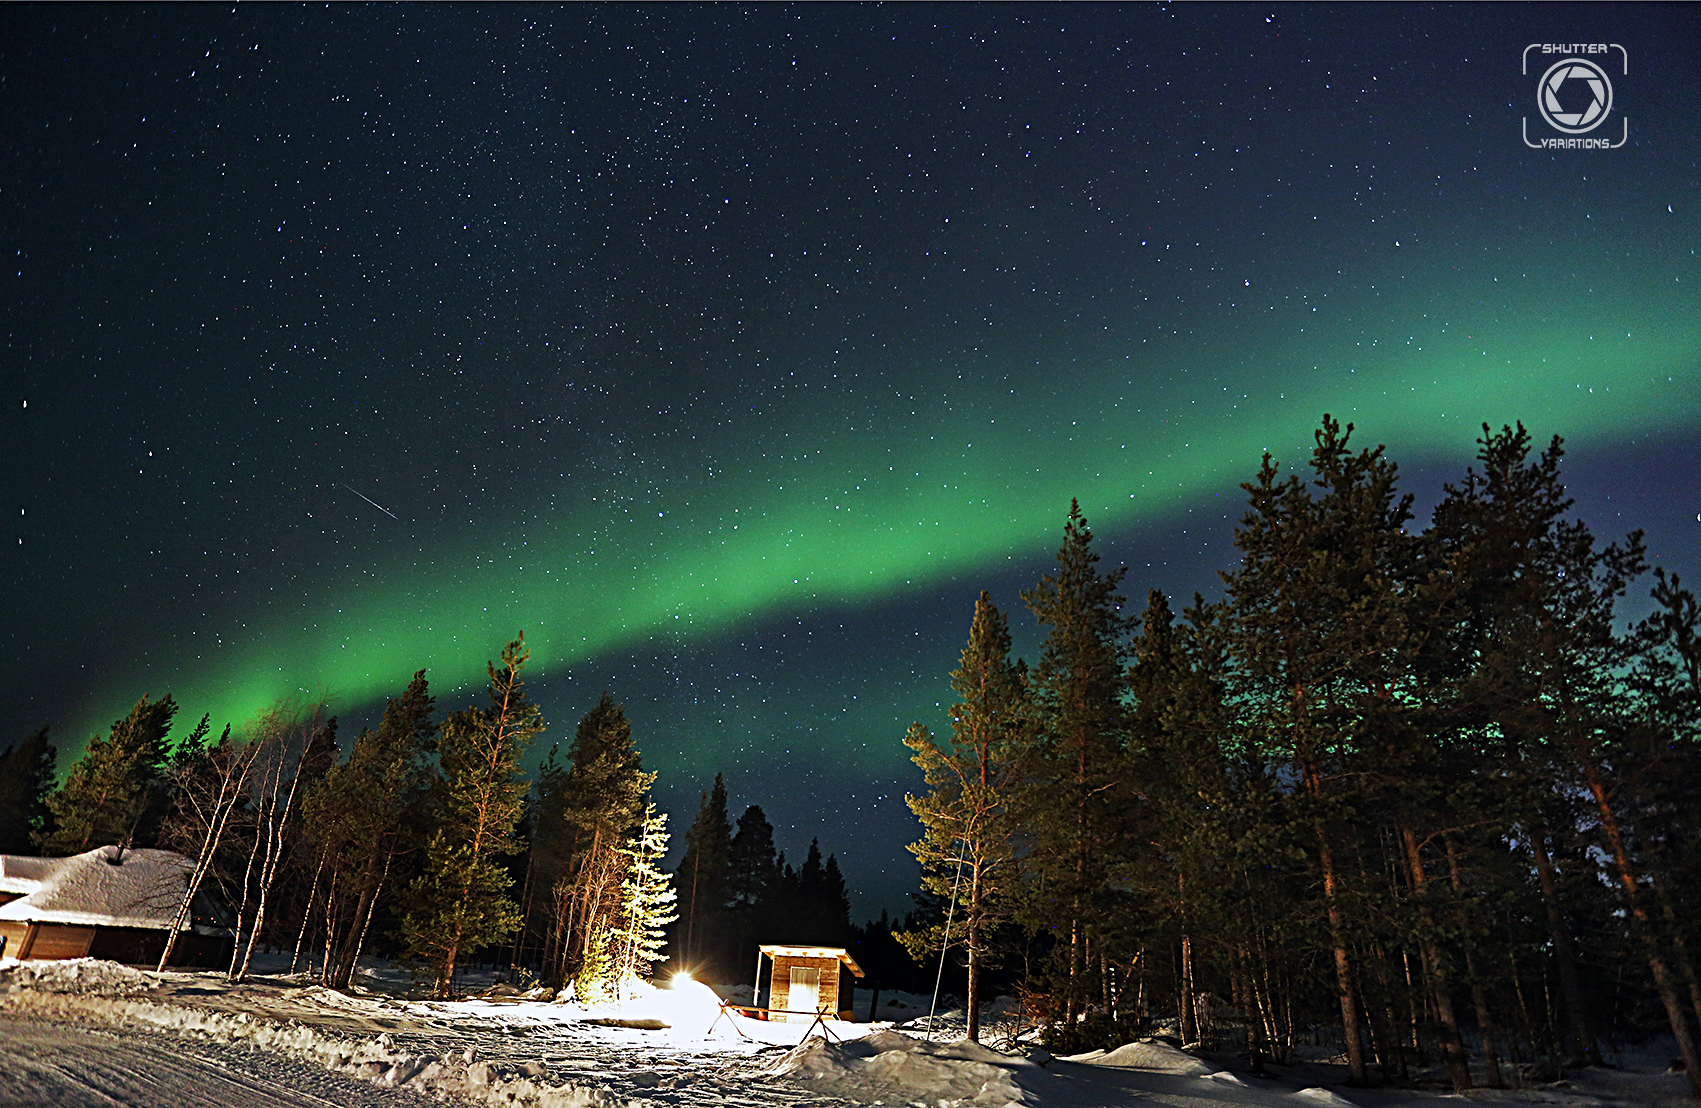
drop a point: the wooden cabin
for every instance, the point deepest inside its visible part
(108, 903)
(807, 981)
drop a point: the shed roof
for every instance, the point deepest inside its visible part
(104, 887)
(777, 950)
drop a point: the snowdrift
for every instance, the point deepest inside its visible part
(889, 1066)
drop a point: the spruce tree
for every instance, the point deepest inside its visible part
(26, 781)
(702, 883)
(834, 905)
(1077, 692)
(115, 793)
(602, 799)
(461, 901)
(754, 871)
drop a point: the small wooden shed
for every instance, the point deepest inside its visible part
(808, 981)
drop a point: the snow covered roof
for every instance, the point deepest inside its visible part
(783, 950)
(104, 887)
(23, 875)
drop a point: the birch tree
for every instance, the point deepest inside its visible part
(288, 738)
(208, 785)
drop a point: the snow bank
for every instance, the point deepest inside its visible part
(1147, 1054)
(889, 1066)
(74, 976)
(90, 991)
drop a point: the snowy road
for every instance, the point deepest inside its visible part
(53, 1063)
(83, 1034)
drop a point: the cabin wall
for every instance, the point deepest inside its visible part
(14, 932)
(142, 946)
(47, 941)
(780, 991)
(130, 945)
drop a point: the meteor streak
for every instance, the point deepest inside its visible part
(372, 502)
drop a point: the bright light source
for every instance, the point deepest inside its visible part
(683, 977)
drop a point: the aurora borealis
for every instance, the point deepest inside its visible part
(730, 351)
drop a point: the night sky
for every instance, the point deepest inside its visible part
(730, 351)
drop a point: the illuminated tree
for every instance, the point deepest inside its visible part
(647, 897)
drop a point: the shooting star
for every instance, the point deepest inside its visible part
(372, 502)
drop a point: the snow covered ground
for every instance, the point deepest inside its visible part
(95, 1033)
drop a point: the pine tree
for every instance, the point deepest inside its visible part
(975, 796)
(1502, 531)
(365, 814)
(1543, 617)
(1193, 822)
(1663, 766)
(461, 901)
(547, 862)
(1310, 606)
(115, 793)
(1077, 690)
(26, 781)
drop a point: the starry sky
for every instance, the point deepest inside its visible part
(729, 351)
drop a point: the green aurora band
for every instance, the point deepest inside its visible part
(829, 508)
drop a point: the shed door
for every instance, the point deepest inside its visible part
(805, 993)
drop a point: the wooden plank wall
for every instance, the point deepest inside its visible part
(14, 932)
(780, 991)
(59, 940)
